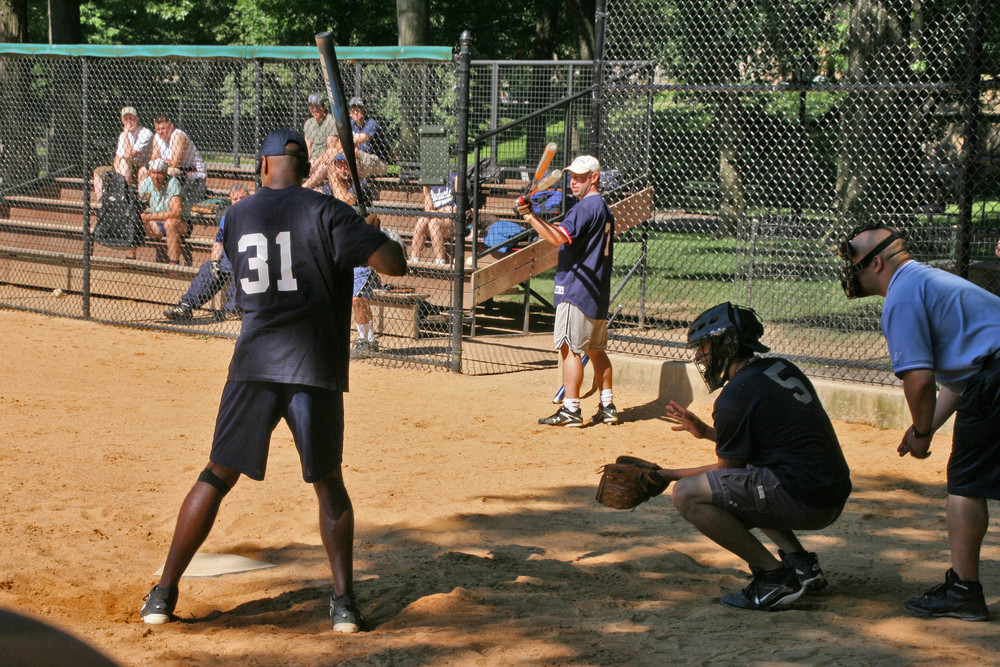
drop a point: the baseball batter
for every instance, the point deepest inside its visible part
(582, 291)
(779, 465)
(941, 329)
(293, 252)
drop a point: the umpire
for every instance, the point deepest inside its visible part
(940, 329)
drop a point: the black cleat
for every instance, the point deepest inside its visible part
(345, 614)
(159, 607)
(806, 566)
(955, 598)
(563, 417)
(769, 590)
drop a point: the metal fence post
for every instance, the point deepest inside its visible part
(462, 198)
(87, 240)
(600, 22)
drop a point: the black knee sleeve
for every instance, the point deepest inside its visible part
(209, 477)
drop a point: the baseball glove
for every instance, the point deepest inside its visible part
(628, 482)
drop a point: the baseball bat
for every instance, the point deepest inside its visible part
(338, 107)
(562, 390)
(543, 165)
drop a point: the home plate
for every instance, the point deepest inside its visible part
(213, 565)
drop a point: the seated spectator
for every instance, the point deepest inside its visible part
(168, 213)
(183, 159)
(213, 275)
(369, 147)
(135, 145)
(439, 199)
(366, 281)
(317, 132)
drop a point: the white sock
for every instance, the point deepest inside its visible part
(607, 396)
(572, 404)
(361, 330)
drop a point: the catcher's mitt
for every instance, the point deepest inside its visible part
(629, 482)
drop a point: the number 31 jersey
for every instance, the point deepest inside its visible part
(293, 252)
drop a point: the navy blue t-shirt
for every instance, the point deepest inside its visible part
(583, 274)
(293, 252)
(769, 415)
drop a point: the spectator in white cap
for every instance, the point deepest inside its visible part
(585, 239)
(167, 213)
(135, 144)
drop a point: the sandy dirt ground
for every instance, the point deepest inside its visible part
(478, 540)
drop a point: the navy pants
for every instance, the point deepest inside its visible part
(205, 286)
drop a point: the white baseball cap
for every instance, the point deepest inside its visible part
(585, 164)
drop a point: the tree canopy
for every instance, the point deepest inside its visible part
(500, 29)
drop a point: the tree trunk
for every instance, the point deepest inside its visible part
(18, 161)
(879, 160)
(583, 13)
(64, 22)
(411, 20)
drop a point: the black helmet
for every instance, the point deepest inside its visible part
(729, 329)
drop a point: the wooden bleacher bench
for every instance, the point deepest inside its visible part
(408, 304)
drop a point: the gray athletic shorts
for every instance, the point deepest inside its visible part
(577, 331)
(755, 497)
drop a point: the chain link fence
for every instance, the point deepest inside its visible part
(773, 128)
(61, 116)
(758, 133)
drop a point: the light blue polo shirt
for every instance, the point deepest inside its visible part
(936, 320)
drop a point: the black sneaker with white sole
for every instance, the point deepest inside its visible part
(606, 414)
(955, 598)
(563, 417)
(159, 606)
(182, 311)
(806, 565)
(769, 590)
(345, 614)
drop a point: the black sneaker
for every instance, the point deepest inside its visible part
(806, 566)
(345, 614)
(955, 598)
(360, 349)
(769, 590)
(563, 417)
(181, 311)
(159, 607)
(606, 414)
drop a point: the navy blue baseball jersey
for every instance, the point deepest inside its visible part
(583, 274)
(769, 415)
(293, 252)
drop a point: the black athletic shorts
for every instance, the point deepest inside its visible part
(249, 411)
(974, 466)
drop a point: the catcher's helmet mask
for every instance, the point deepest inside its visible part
(731, 331)
(849, 280)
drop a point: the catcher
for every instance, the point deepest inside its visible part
(779, 467)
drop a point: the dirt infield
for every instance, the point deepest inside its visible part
(478, 540)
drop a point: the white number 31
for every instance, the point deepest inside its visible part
(260, 279)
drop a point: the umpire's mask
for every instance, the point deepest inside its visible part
(849, 280)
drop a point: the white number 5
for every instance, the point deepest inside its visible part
(799, 390)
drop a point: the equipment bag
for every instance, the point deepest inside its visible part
(118, 221)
